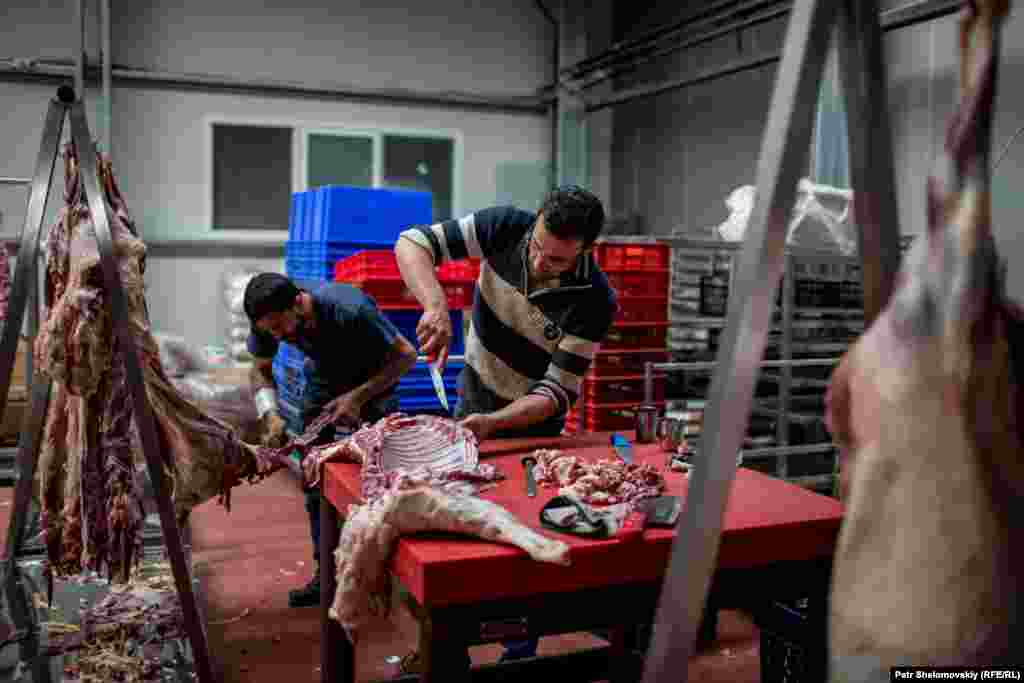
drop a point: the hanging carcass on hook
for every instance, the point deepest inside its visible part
(928, 411)
(90, 498)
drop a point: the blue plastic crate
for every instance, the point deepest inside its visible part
(406, 320)
(357, 214)
(315, 261)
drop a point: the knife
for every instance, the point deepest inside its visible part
(435, 375)
(529, 462)
(623, 448)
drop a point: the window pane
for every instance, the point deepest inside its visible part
(340, 160)
(421, 163)
(252, 177)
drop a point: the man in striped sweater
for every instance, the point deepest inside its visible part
(541, 308)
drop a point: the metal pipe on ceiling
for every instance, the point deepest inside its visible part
(709, 14)
(62, 69)
(891, 20)
(694, 41)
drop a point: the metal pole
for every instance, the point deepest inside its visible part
(15, 181)
(871, 164)
(786, 353)
(648, 383)
(21, 289)
(711, 365)
(144, 420)
(107, 58)
(784, 151)
(80, 54)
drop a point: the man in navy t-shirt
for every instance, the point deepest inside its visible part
(354, 358)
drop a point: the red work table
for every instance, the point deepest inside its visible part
(777, 543)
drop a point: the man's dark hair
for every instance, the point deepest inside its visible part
(269, 293)
(572, 213)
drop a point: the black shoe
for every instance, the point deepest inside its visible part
(307, 596)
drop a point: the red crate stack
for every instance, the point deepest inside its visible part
(376, 272)
(613, 387)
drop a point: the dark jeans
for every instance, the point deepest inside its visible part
(373, 411)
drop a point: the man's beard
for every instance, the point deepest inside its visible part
(301, 330)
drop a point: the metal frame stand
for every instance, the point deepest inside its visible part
(25, 282)
(784, 151)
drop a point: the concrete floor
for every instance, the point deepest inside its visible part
(250, 559)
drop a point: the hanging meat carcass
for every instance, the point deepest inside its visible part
(92, 508)
(927, 408)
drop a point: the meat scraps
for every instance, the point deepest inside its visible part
(370, 531)
(927, 410)
(602, 482)
(92, 510)
(418, 474)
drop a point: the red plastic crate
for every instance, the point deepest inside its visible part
(622, 388)
(393, 292)
(636, 335)
(372, 264)
(640, 256)
(650, 283)
(641, 309)
(604, 417)
(615, 362)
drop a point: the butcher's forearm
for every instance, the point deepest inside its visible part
(397, 363)
(419, 275)
(523, 412)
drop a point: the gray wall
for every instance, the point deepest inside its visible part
(160, 142)
(678, 155)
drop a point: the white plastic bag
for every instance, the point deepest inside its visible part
(813, 222)
(177, 356)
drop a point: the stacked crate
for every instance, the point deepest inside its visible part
(376, 272)
(613, 387)
(331, 224)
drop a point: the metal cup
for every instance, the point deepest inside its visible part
(671, 432)
(646, 423)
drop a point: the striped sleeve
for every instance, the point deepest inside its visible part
(450, 240)
(571, 359)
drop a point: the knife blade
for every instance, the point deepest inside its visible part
(435, 375)
(623, 448)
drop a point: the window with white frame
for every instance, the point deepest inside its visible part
(414, 161)
(253, 166)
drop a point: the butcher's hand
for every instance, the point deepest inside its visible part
(274, 434)
(434, 333)
(345, 410)
(481, 425)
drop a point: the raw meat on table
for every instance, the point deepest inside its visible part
(400, 449)
(418, 474)
(926, 407)
(91, 504)
(602, 482)
(370, 531)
